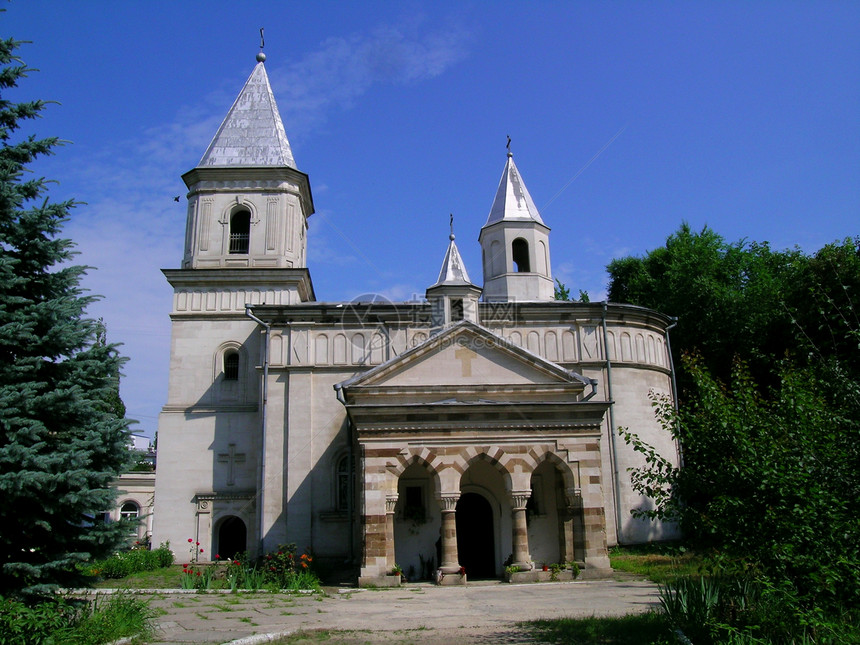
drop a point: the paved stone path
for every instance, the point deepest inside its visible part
(420, 613)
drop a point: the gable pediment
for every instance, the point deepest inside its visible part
(466, 355)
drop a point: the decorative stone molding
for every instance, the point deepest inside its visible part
(390, 504)
(519, 499)
(573, 497)
(448, 501)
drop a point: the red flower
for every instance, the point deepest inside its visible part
(185, 565)
(198, 573)
(217, 557)
(236, 562)
(197, 543)
(190, 539)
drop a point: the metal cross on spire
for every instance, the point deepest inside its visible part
(261, 56)
(451, 224)
(508, 146)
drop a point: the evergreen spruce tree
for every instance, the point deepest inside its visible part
(61, 441)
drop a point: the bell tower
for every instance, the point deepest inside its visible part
(515, 244)
(248, 204)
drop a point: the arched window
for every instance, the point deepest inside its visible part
(343, 484)
(520, 252)
(240, 231)
(456, 309)
(129, 511)
(231, 366)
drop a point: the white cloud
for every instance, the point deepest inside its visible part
(345, 68)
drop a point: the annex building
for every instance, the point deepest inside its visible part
(469, 430)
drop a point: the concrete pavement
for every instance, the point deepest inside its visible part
(414, 613)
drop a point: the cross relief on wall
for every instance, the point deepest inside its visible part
(232, 459)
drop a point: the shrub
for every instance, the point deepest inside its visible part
(126, 563)
(282, 568)
(113, 567)
(164, 555)
(106, 620)
(59, 620)
(33, 623)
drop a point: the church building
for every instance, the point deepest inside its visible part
(457, 434)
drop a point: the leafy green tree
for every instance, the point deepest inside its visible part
(747, 300)
(61, 440)
(770, 483)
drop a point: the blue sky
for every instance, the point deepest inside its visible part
(627, 118)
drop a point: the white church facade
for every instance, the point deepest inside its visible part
(469, 430)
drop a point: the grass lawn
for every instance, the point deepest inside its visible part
(658, 563)
(166, 578)
(634, 629)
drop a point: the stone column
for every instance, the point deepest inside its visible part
(450, 560)
(521, 531)
(570, 529)
(390, 504)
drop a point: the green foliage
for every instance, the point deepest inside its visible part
(771, 485)
(561, 292)
(284, 568)
(125, 563)
(33, 623)
(164, 555)
(743, 609)
(57, 620)
(61, 441)
(659, 563)
(747, 300)
(635, 629)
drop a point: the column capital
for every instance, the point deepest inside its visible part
(390, 503)
(519, 499)
(448, 501)
(573, 497)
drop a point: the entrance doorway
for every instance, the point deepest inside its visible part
(232, 538)
(475, 545)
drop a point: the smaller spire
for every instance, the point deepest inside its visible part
(453, 270)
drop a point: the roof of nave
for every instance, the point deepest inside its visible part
(513, 201)
(252, 134)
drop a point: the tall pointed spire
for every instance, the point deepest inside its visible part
(515, 244)
(232, 223)
(252, 134)
(512, 201)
